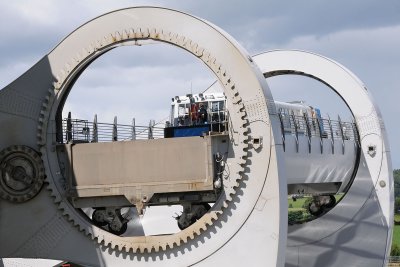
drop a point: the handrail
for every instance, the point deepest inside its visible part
(150, 131)
(308, 131)
(95, 137)
(341, 132)
(332, 138)
(321, 142)
(282, 131)
(394, 259)
(133, 129)
(355, 133)
(296, 132)
(69, 128)
(83, 131)
(115, 130)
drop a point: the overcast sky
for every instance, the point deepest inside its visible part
(363, 35)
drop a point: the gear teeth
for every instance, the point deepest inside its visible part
(118, 36)
(188, 45)
(192, 234)
(201, 228)
(162, 247)
(57, 198)
(138, 33)
(181, 41)
(125, 34)
(142, 244)
(214, 216)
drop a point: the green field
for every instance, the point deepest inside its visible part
(396, 230)
(298, 204)
(396, 235)
(297, 213)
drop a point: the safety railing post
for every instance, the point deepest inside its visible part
(86, 131)
(305, 117)
(355, 133)
(282, 131)
(133, 129)
(295, 131)
(332, 137)
(69, 136)
(321, 141)
(341, 133)
(115, 130)
(95, 137)
(150, 131)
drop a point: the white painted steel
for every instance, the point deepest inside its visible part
(304, 166)
(367, 208)
(316, 167)
(258, 203)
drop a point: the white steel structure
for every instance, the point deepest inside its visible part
(358, 230)
(48, 188)
(251, 209)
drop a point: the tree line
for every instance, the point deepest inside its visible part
(396, 177)
(395, 251)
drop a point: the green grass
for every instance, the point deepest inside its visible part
(339, 197)
(396, 234)
(396, 231)
(298, 204)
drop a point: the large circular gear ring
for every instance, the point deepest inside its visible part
(244, 87)
(21, 173)
(152, 243)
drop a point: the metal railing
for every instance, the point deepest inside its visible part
(76, 130)
(394, 259)
(333, 130)
(217, 118)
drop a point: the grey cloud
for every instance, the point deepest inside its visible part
(282, 20)
(362, 35)
(372, 55)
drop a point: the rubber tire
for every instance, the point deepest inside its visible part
(332, 202)
(121, 231)
(315, 213)
(95, 222)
